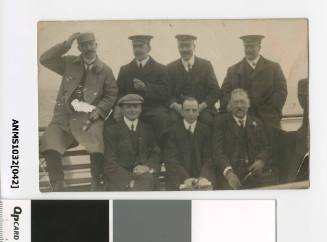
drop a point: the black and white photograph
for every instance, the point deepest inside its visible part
(173, 105)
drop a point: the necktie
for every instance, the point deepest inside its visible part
(190, 129)
(132, 127)
(241, 121)
(189, 67)
(88, 67)
(140, 65)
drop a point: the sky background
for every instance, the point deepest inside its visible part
(285, 42)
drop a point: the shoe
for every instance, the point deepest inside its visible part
(96, 185)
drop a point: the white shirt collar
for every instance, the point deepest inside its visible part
(253, 63)
(189, 62)
(187, 125)
(238, 120)
(130, 122)
(88, 64)
(143, 62)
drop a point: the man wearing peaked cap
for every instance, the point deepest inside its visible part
(140, 38)
(131, 154)
(147, 78)
(192, 76)
(264, 82)
(87, 93)
(252, 39)
(261, 78)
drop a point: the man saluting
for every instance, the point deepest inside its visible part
(87, 93)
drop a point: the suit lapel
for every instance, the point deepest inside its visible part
(233, 126)
(241, 74)
(260, 66)
(195, 70)
(128, 137)
(145, 70)
(250, 135)
(76, 74)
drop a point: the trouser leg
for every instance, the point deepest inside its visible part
(97, 161)
(55, 168)
(145, 182)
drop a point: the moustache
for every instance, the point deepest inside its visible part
(186, 52)
(138, 52)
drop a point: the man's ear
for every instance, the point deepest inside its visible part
(149, 48)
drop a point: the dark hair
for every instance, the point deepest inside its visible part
(192, 99)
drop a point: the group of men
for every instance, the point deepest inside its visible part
(154, 114)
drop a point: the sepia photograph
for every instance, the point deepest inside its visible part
(173, 105)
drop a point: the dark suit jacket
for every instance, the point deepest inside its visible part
(225, 145)
(121, 156)
(154, 76)
(100, 85)
(178, 152)
(200, 83)
(266, 88)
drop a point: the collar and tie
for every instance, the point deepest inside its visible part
(189, 67)
(190, 127)
(253, 63)
(142, 63)
(241, 123)
(188, 64)
(132, 125)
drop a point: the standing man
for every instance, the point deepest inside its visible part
(191, 76)
(188, 149)
(147, 78)
(131, 154)
(87, 93)
(240, 148)
(263, 80)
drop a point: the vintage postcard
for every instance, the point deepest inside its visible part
(173, 105)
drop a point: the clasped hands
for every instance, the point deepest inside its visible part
(200, 183)
(255, 169)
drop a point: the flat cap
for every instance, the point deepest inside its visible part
(84, 37)
(252, 39)
(185, 37)
(131, 98)
(141, 38)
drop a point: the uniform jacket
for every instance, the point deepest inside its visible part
(266, 88)
(121, 156)
(100, 86)
(226, 147)
(154, 76)
(200, 83)
(179, 153)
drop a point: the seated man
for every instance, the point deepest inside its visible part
(131, 153)
(240, 147)
(187, 153)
